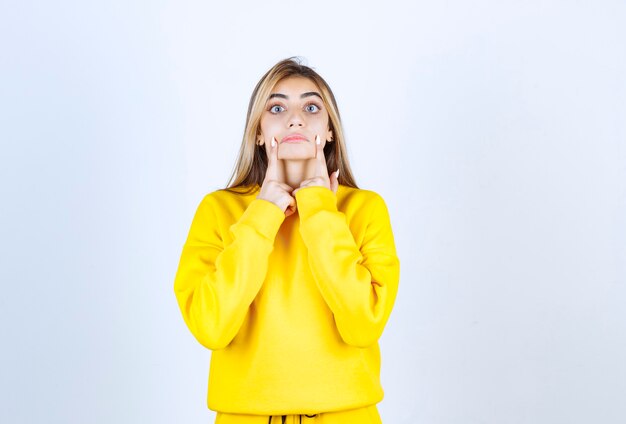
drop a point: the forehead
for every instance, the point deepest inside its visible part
(295, 85)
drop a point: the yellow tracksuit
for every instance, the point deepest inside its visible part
(291, 307)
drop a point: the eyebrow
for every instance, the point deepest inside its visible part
(302, 96)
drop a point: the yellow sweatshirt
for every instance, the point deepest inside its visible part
(292, 307)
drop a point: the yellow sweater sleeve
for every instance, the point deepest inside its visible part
(216, 280)
(358, 282)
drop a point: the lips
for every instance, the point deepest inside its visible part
(294, 138)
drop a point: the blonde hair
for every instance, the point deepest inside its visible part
(252, 161)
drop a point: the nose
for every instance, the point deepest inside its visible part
(295, 119)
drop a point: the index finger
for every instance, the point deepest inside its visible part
(321, 159)
(272, 161)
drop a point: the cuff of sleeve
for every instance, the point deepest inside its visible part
(314, 199)
(264, 216)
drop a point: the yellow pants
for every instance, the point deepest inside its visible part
(366, 415)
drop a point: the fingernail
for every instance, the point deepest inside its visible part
(273, 142)
(337, 173)
(317, 139)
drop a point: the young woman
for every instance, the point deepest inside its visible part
(290, 273)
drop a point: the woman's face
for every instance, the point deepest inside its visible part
(294, 114)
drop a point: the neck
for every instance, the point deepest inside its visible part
(293, 172)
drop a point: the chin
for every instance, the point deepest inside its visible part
(295, 156)
(301, 152)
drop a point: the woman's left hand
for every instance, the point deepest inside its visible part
(321, 177)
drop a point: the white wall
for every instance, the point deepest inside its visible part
(495, 131)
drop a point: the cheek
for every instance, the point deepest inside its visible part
(320, 124)
(262, 126)
(268, 127)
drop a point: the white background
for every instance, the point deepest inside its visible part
(494, 130)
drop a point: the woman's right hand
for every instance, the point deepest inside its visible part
(274, 190)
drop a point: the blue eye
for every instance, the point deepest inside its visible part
(315, 108)
(274, 109)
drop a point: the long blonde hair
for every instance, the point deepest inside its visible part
(252, 161)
